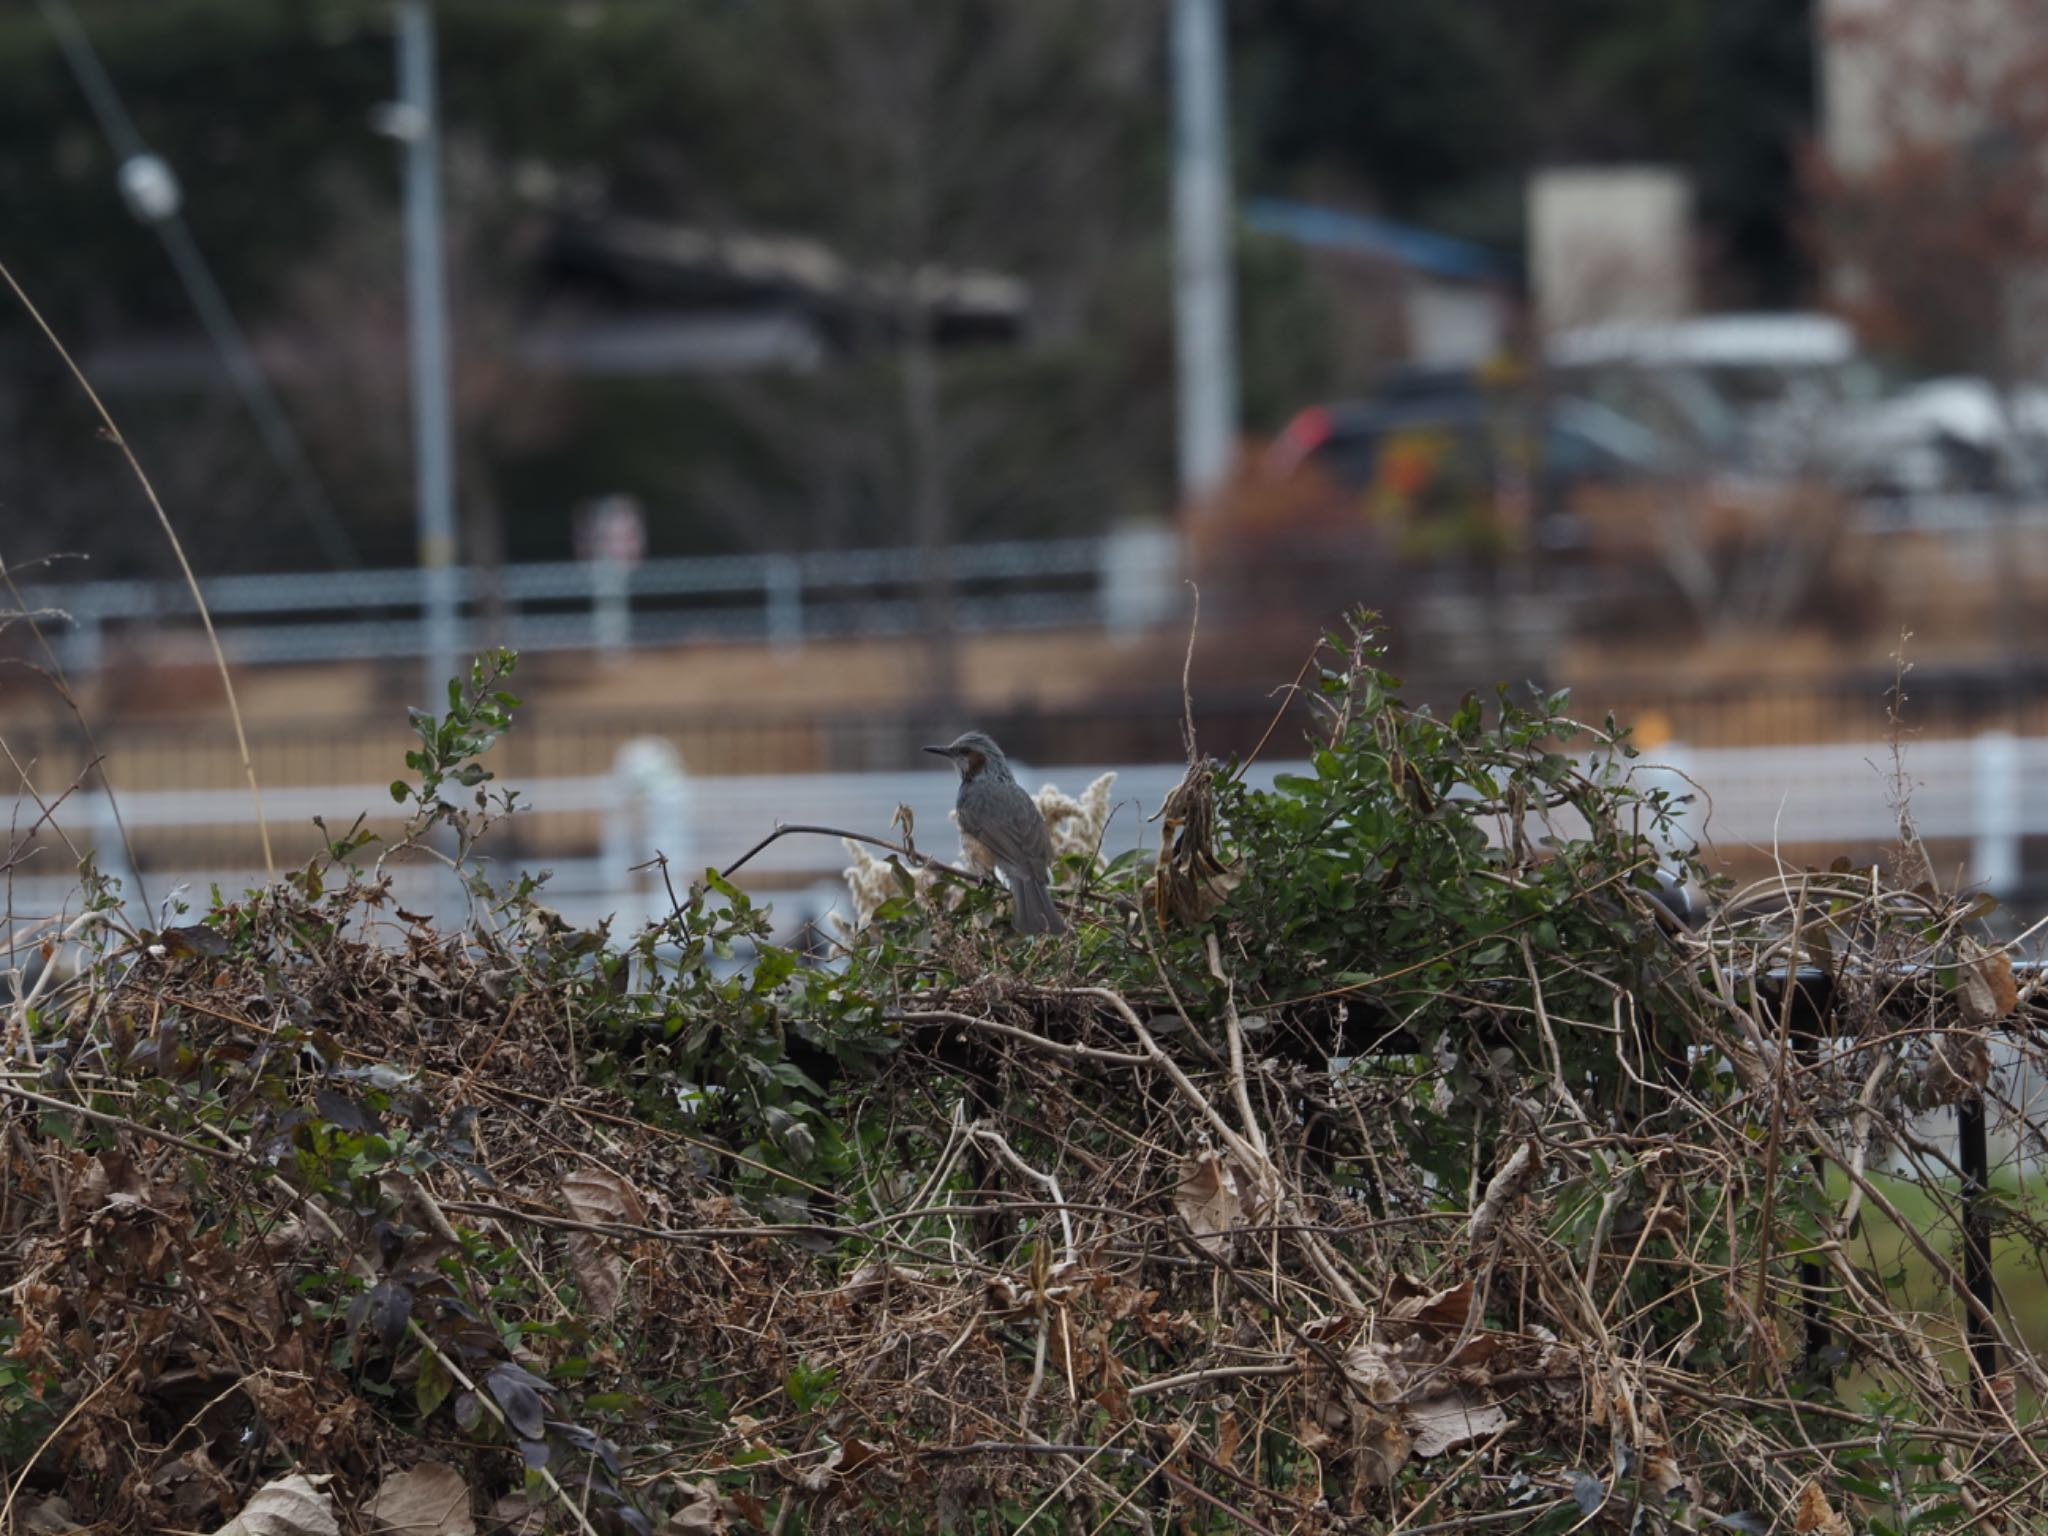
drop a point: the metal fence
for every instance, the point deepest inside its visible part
(1120, 581)
(1983, 796)
(604, 824)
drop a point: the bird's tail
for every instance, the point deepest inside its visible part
(1035, 911)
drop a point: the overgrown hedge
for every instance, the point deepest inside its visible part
(1384, 1154)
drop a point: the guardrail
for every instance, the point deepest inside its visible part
(1121, 581)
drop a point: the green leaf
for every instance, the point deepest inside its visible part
(433, 1384)
(399, 790)
(790, 1075)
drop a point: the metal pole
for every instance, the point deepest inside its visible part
(1973, 1152)
(427, 305)
(1204, 309)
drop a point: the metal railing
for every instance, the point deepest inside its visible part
(1988, 793)
(1119, 581)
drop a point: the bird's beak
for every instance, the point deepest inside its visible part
(942, 751)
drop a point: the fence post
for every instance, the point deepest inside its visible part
(611, 614)
(1137, 577)
(1995, 811)
(648, 815)
(782, 583)
(85, 646)
(1973, 1153)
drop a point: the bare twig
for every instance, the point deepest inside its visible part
(220, 660)
(786, 829)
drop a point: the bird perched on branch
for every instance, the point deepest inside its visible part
(995, 811)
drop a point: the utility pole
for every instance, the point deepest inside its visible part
(416, 124)
(1204, 309)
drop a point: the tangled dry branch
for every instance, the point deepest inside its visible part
(1514, 1206)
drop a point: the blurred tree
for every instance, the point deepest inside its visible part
(1437, 113)
(264, 111)
(1934, 215)
(340, 333)
(924, 143)
(1027, 139)
(1022, 139)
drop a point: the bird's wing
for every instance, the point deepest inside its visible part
(1013, 831)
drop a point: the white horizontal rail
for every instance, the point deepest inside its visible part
(723, 816)
(1120, 580)
(1990, 790)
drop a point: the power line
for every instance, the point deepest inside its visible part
(150, 189)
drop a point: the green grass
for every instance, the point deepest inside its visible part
(1913, 1284)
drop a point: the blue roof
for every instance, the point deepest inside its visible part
(1335, 229)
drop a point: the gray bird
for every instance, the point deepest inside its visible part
(996, 813)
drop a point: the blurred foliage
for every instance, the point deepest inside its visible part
(1438, 112)
(1028, 139)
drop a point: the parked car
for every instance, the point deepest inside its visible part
(1449, 461)
(1944, 453)
(1750, 393)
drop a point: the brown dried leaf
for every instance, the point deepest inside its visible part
(1208, 1199)
(1451, 1419)
(871, 1279)
(112, 1179)
(1382, 1445)
(1480, 1348)
(1662, 1472)
(1958, 1067)
(1313, 1437)
(1445, 1311)
(1375, 1371)
(701, 1511)
(1190, 882)
(1812, 1515)
(2000, 1394)
(430, 1500)
(1984, 983)
(1228, 1434)
(839, 1463)
(291, 1506)
(601, 1197)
